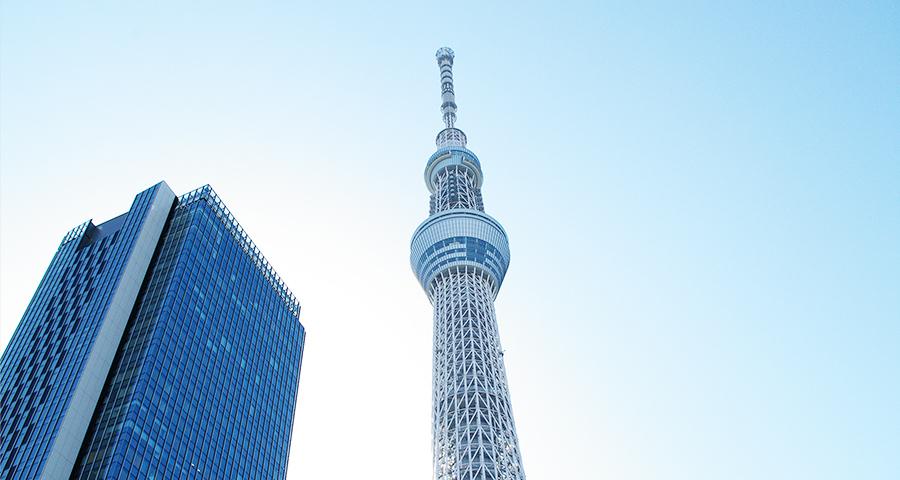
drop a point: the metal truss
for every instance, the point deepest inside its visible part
(455, 187)
(473, 429)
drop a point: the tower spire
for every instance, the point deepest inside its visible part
(449, 136)
(444, 57)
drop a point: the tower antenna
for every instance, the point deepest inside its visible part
(444, 57)
(450, 136)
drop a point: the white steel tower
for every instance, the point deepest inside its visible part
(460, 255)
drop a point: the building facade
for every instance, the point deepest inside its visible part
(159, 344)
(460, 256)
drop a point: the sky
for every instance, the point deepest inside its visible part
(702, 202)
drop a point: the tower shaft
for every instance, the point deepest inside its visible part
(473, 432)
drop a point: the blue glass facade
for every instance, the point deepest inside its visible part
(204, 377)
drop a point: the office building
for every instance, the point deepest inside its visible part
(460, 256)
(159, 344)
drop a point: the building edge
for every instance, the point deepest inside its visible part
(75, 422)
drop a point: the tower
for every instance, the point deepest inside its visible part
(460, 256)
(159, 344)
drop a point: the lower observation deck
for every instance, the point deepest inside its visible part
(459, 238)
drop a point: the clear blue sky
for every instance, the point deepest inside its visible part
(703, 205)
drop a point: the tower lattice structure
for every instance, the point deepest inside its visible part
(460, 256)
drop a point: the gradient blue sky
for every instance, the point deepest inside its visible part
(703, 204)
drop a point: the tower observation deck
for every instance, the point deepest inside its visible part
(460, 256)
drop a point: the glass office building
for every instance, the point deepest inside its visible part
(159, 344)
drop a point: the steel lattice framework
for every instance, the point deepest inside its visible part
(460, 256)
